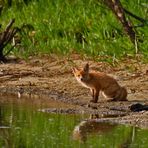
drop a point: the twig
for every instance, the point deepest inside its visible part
(135, 16)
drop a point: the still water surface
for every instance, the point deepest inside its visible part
(23, 126)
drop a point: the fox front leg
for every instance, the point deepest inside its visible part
(95, 95)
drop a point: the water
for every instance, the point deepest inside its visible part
(23, 126)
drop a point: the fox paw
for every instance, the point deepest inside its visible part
(93, 101)
(88, 105)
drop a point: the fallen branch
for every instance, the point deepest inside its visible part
(5, 38)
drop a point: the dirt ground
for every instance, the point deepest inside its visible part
(52, 78)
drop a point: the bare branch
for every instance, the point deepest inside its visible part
(6, 37)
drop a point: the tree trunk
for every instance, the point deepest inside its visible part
(118, 10)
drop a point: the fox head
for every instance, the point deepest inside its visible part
(81, 75)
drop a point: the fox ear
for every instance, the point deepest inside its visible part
(74, 70)
(86, 68)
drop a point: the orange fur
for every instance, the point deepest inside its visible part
(98, 81)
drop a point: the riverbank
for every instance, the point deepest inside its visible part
(51, 78)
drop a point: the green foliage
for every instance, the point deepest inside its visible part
(81, 26)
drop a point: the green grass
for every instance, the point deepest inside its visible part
(83, 26)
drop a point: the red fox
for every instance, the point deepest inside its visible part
(98, 81)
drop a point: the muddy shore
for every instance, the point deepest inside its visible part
(51, 78)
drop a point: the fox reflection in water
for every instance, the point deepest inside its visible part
(91, 127)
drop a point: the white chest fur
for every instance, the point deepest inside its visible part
(82, 83)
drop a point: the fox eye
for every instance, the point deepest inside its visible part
(78, 75)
